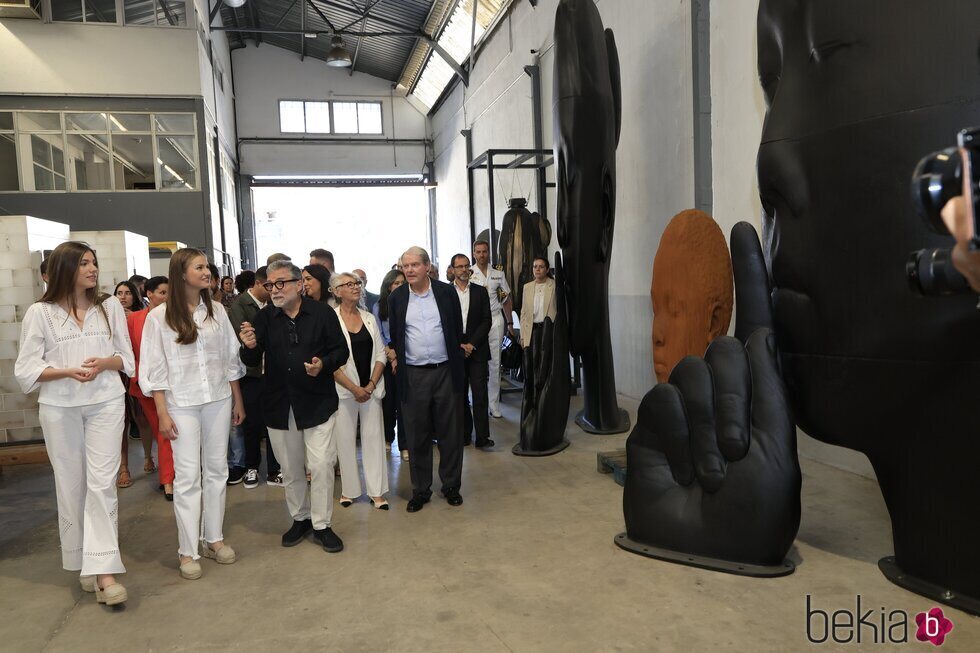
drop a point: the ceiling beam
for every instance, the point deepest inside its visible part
(302, 27)
(285, 13)
(322, 17)
(255, 22)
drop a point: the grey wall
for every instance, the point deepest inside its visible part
(159, 215)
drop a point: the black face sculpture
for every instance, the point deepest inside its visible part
(857, 93)
(587, 117)
(523, 236)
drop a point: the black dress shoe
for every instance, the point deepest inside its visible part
(452, 497)
(297, 532)
(328, 540)
(486, 444)
(169, 496)
(416, 503)
(467, 442)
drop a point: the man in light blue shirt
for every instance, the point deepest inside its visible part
(425, 343)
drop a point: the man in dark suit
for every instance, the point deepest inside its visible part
(475, 305)
(426, 328)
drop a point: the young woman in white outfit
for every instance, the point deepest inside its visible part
(189, 362)
(360, 389)
(73, 344)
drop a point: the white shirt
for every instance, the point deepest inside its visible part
(50, 337)
(493, 280)
(255, 299)
(194, 374)
(539, 313)
(464, 301)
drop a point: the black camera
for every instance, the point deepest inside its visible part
(937, 179)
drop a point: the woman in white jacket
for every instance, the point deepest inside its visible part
(360, 389)
(189, 364)
(73, 343)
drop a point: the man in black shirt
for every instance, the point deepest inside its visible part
(303, 346)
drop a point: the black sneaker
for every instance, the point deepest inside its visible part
(236, 475)
(329, 540)
(275, 479)
(252, 479)
(297, 532)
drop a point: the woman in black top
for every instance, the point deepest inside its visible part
(360, 389)
(316, 284)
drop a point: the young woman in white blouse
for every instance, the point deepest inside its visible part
(189, 363)
(360, 389)
(73, 343)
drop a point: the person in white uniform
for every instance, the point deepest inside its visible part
(496, 284)
(360, 389)
(189, 363)
(73, 343)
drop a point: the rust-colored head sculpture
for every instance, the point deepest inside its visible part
(692, 290)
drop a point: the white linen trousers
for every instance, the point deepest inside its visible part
(296, 449)
(372, 447)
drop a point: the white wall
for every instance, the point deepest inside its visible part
(655, 158)
(264, 75)
(738, 110)
(67, 59)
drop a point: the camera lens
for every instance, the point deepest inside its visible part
(936, 180)
(930, 272)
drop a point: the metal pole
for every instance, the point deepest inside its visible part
(534, 72)
(468, 138)
(493, 217)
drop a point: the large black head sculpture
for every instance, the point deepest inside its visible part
(587, 118)
(857, 92)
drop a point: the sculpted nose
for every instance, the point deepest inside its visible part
(782, 178)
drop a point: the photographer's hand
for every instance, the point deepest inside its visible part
(956, 215)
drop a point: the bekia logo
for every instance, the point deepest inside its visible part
(933, 626)
(879, 626)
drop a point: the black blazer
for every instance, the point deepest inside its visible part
(451, 315)
(478, 322)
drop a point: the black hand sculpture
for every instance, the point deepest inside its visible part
(587, 119)
(712, 475)
(547, 382)
(852, 106)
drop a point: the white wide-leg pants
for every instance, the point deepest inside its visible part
(313, 447)
(83, 446)
(200, 473)
(496, 335)
(372, 447)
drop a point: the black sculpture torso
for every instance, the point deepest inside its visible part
(587, 119)
(547, 382)
(853, 103)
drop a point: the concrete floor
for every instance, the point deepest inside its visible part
(526, 564)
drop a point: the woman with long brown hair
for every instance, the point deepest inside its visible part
(73, 343)
(189, 363)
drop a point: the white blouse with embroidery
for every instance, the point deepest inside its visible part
(50, 337)
(194, 374)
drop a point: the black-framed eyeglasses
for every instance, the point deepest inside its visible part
(293, 335)
(279, 285)
(350, 285)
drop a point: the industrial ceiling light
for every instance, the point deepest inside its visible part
(338, 57)
(234, 4)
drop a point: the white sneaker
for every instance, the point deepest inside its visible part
(405, 454)
(495, 413)
(275, 480)
(251, 479)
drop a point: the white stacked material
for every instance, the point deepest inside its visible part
(23, 243)
(121, 254)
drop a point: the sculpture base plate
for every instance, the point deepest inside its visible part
(518, 451)
(622, 426)
(711, 564)
(889, 567)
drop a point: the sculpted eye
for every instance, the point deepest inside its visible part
(822, 52)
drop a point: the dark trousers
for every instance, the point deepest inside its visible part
(432, 408)
(477, 378)
(254, 426)
(391, 412)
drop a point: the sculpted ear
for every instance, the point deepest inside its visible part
(612, 54)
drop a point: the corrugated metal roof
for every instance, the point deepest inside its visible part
(381, 56)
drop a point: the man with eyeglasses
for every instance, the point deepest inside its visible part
(303, 346)
(244, 309)
(474, 303)
(426, 328)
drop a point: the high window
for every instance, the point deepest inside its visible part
(334, 117)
